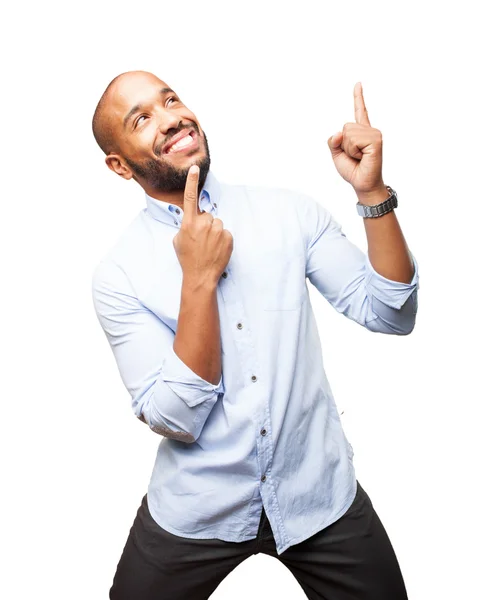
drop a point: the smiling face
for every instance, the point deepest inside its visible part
(145, 118)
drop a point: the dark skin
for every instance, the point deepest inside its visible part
(140, 143)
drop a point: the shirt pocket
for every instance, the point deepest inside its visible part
(282, 279)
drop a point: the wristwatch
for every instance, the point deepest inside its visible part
(378, 210)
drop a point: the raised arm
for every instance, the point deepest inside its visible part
(338, 268)
(203, 248)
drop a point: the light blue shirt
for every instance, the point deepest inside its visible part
(269, 433)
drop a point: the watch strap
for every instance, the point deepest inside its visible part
(378, 210)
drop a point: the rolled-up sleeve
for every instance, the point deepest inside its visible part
(394, 303)
(189, 386)
(165, 393)
(344, 275)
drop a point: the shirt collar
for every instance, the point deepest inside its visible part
(171, 214)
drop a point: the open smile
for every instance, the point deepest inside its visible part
(185, 144)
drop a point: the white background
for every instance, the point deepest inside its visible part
(269, 83)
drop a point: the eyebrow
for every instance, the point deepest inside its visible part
(139, 107)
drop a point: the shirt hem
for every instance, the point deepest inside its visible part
(222, 536)
(339, 514)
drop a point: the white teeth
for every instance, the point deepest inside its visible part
(183, 142)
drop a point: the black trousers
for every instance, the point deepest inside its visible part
(351, 559)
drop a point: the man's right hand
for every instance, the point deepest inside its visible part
(202, 245)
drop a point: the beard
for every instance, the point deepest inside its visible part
(162, 176)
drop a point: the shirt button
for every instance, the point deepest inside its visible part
(239, 325)
(176, 222)
(253, 378)
(224, 275)
(263, 478)
(263, 431)
(178, 210)
(214, 204)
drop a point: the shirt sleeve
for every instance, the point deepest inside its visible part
(165, 393)
(344, 275)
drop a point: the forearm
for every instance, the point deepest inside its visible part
(387, 248)
(197, 342)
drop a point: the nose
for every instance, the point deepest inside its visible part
(168, 120)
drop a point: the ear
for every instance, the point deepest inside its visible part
(115, 163)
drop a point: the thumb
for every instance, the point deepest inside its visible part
(334, 143)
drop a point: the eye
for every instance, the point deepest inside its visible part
(138, 120)
(174, 98)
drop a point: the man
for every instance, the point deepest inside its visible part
(205, 304)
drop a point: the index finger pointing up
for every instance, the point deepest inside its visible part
(190, 203)
(360, 111)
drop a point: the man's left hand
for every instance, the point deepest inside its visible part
(357, 150)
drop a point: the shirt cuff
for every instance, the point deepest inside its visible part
(186, 384)
(392, 293)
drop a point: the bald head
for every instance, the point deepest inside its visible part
(103, 124)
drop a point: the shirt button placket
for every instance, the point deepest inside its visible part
(246, 348)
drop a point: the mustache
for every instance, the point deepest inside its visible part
(158, 149)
